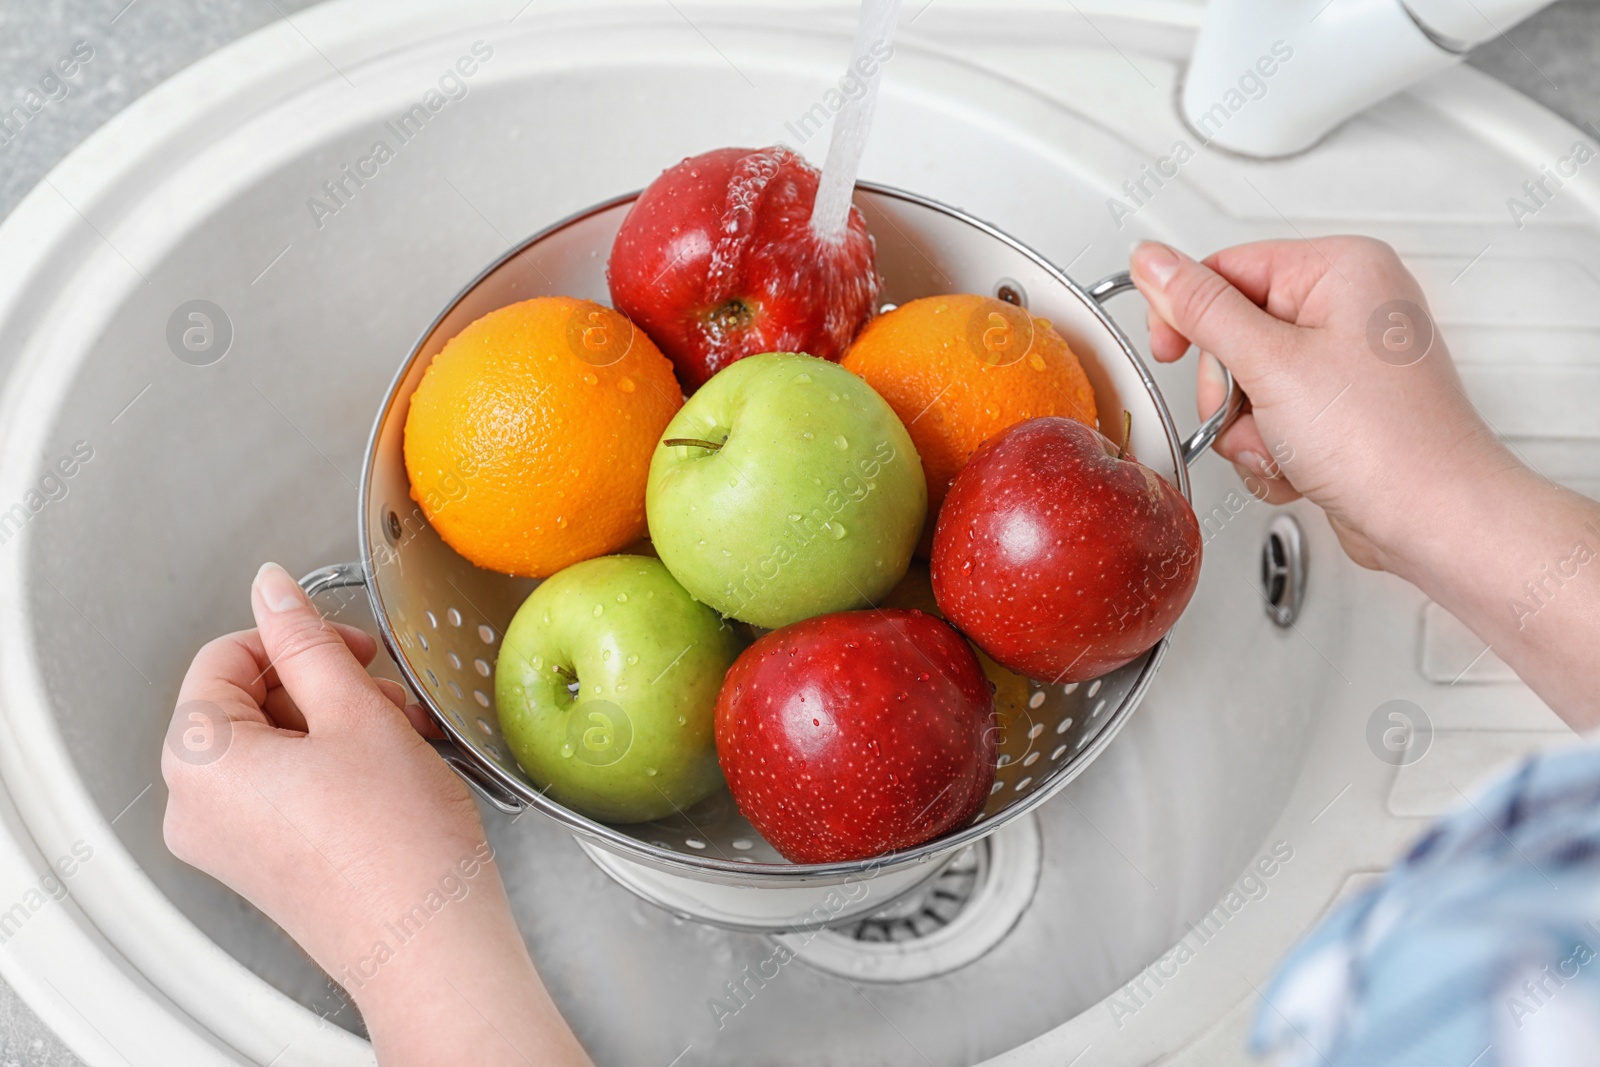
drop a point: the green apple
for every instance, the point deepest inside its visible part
(607, 687)
(785, 488)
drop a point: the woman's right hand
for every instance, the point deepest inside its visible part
(1355, 404)
(1354, 401)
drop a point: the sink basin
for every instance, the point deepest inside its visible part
(251, 183)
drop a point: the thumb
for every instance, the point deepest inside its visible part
(1206, 309)
(313, 663)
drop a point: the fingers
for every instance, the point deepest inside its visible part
(1242, 445)
(422, 722)
(362, 645)
(393, 692)
(235, 673)
(313, 663)
(283, 712)
(1166, 344)
(230, 672)
(1269, 490)
(1210, 386)
(1283, 276)
(400, 697)
(1200, 305)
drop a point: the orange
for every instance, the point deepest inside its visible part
(960, 369)
(529, 438)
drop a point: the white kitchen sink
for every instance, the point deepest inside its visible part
(1252, 742)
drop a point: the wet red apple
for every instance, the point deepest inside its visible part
(849, 735)
(1061, 556)
(716, 261)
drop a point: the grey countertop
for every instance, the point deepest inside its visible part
(138, 44)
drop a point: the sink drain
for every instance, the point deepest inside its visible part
(953, 920)
(1283, 570)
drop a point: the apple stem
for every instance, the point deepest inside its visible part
(1127, 431)
(692, 442)
(568, 675)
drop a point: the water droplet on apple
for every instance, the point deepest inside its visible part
(841, 442)
(626, 384)
(838, 530)
(632, 660)
(807, 435)
(795, 516)
(599, 609)
(567, 750)
(682, 721)
(622, 598)
(802, 378)
(650, 772)
(605, 653)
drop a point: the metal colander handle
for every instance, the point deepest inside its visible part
(352, 576)
(1206, 434)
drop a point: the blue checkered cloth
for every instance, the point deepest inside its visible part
(1481, 948)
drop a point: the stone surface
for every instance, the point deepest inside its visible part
(139, 44)
(1551, 57)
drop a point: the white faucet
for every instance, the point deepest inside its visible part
(1272, 77)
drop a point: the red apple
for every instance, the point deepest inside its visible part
(716, 261)
(849, 735)
(1060, 556)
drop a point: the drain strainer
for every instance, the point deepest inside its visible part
(953, 920)
(1283, 570)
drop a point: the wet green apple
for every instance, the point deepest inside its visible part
(606, 687)
(785, 488)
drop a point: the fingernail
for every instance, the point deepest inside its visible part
(1211, 370)
(279, 592)
(1254, 460)
(1155, 261)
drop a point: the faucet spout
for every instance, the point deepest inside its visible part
(1271, 78)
